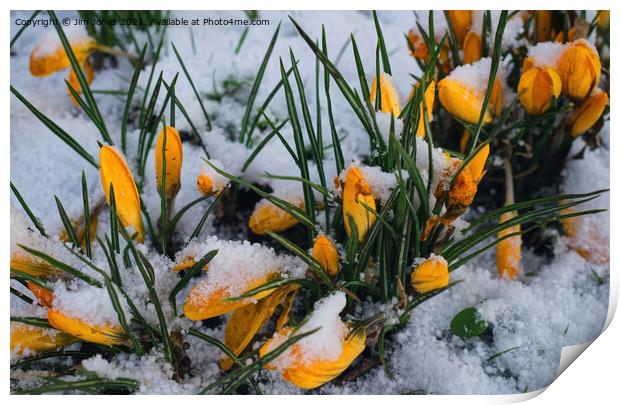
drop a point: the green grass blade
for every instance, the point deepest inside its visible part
(35, 220)
(132, 89)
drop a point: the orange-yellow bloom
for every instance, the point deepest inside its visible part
(429, 99)
(588, 113)
(105, 334)
(114, 171)
(356, 195)
(35, 339)
(267, 217)
(45, 61)
(417, 46)
(390, 102)
(203, 302)
(472, 48)
(204, 184)
(580, 69)
(43, 295)
(431, 274)
(31, 265)
(325, 252)
(246, 321)
(537, 87)
(461, 22)
(461, 194)
(508, 251)
(174, 161)
(462, 102)
(543, 25)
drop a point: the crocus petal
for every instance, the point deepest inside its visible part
(429, 99)
(31, 265)
(472, 48)
(174, 161)
(588, 113)
(44, 295)
(267, 217)
(105, 334)
(89, 74)
(476, 164)
(537, 87)
(325, 252)
(430, 275)
(34, 339)
(543, 25)
(355, 195)
(390, 102)
(571, 35)
(508, 251)
(114, 170)
(44, 61)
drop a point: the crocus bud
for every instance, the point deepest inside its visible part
(580, 69)
(508, 251)
(477, 163)
(210, 180)
(356, 194)
(472, 48)
(461, 22)
(537, 87)
(325, 252)
(466, 103)
(390, 100)
(114, 171)
(543, 25)
(588, 112)
(174, 161)
(431, 274)
(429, 99)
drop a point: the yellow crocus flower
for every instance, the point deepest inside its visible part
(114, 170)
(588, 113)
(267, 217)
(431, 274)
(461, 22)
(325, 252)
(356, 194)
(472, 48)
(390, 102)
(580, 69)
(35, 339)
(105, 334)
(537, 87)
(174, 161)
(508, 251)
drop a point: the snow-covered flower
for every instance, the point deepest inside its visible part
(390, 99)
(114, 171)
(266, 217)
(356, 196)
(324, 354)
(430, 274)
(325, 252)
(173, 158)
(104, 333)
(209, 181)
(508, 251)
(588, 112)
(537, 87)
(580, 69)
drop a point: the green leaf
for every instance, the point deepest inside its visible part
(35, 220)
(132, 88)
(468, 323)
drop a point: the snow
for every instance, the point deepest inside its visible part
(547, 54)
(50, 42)
(555, 303)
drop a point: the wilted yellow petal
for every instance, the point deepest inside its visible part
(44, 62)
(114, 170)
(32, 338)
(105, 334)
(472, 48)
(537, 87)
(430, 275)
(508, 251)
(390, 102)
(355, 195)
(476, 165)
(325, 252)
(417, 46)
(461, 22)
(203, 303)
(314, 373)
(588, 113)
(462, 102)
(174, 161)
(461, 194)
(579, 69)
(267, 217)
